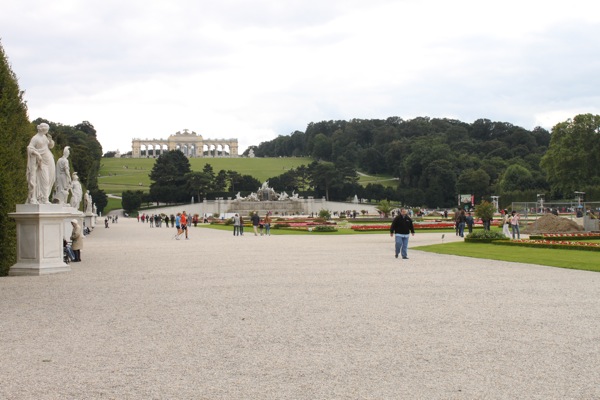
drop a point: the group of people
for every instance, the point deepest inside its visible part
(181, 223)
(260, 226)
(156, 220)
(511, 220)
(463, 219)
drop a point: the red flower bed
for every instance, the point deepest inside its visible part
(572, 235)
(552, 244)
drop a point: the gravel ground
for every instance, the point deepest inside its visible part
(295, 317)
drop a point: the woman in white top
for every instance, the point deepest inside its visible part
(505, 223)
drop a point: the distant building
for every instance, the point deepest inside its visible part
(189, 143)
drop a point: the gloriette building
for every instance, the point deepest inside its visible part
(189, 143)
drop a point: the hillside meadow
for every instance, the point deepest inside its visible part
(119, 174)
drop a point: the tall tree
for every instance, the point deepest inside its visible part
(572, 159)
(473, 181)
(168, 176)
(199, 183)
(15, 133)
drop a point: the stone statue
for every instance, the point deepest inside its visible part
(238, 196)
(76, 191)
(41, 170)
(94, 209)
(63, 177)
(283, 196)
(252, 197)
(265, 185)
(294, 195)
(88, 202)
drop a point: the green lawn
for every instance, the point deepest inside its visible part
(573, 259)
(385, 180)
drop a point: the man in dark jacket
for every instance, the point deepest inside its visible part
(402, 227)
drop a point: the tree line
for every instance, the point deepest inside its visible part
(434, 160)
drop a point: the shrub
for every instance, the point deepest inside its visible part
(325, 214)
(484, 236)
(324, 228)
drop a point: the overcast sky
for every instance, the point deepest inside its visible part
(256, 69)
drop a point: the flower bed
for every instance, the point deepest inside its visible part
(418, 226)
(370, 227)
(561, 236)
(551, 244)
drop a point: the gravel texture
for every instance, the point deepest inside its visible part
(295, 317)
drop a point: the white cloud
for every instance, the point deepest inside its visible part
(255, 70)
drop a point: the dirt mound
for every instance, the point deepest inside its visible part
(550, 223)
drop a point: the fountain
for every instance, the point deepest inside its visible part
(266, 199)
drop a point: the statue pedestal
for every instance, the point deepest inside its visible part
(73, 214)
(89, 220)
(40, 232)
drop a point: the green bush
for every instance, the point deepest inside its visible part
(484, 237)
(325, 214)
(324, 228)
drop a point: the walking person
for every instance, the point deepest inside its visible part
(255, 221)
(241, 225)
(236, 225)
(470, 221)
(177, 226)
(267, 223)
(462, 221)
(514, 223)
(505, 224)
(402, 227)
(184, 224)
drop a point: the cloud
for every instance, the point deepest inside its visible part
(255, 70)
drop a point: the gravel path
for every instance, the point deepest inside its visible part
(295, 317)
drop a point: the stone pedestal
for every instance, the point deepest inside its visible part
(40, 232)
(89, 220)
(73, 214)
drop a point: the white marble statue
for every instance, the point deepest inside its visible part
(294, 195)
(252, 197)
(238, 196)
(76, 191)
(88, 202)
(41, 170)
(62, 186)
(283, 196)
(265, 185)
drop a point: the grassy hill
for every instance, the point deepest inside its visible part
(119, 174)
